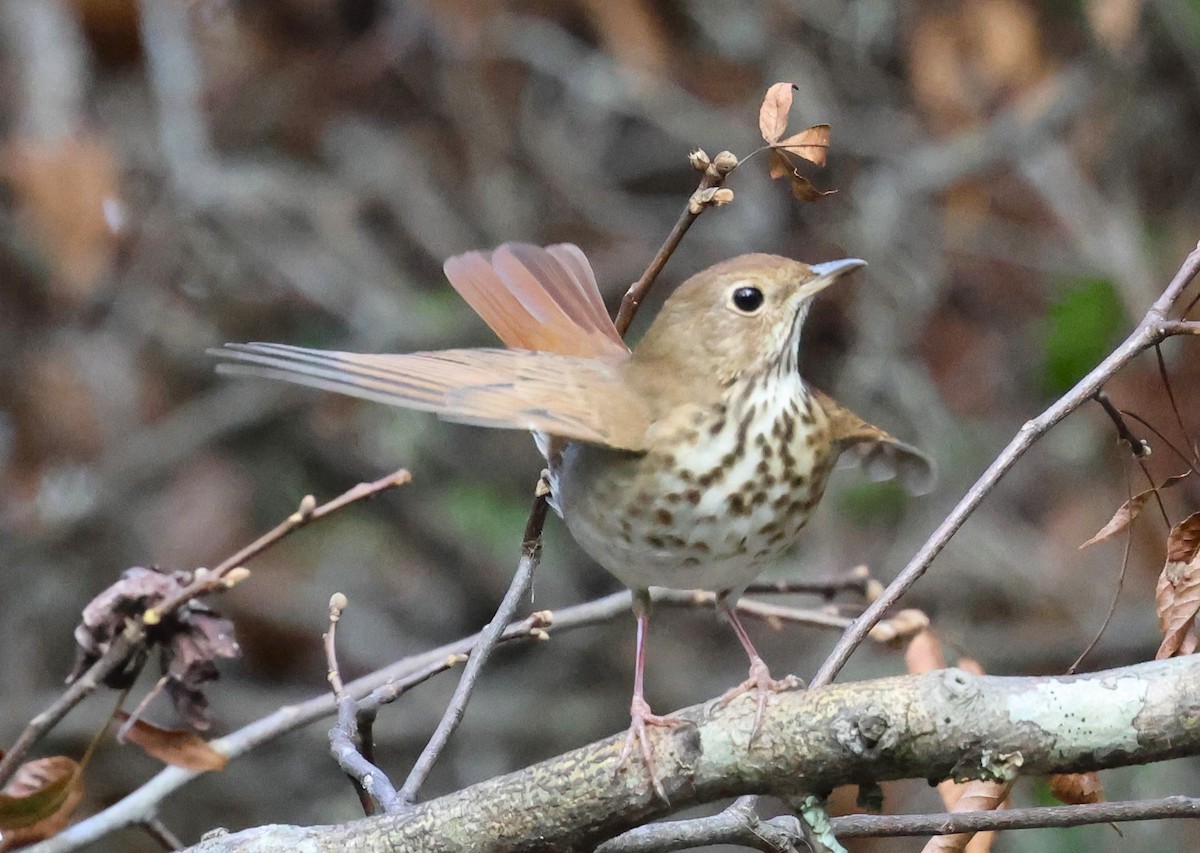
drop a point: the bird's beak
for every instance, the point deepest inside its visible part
(827, 273)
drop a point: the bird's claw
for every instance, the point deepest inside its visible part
(760, 681)
(641, 716)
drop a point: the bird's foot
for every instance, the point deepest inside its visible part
(640, 716)
(760, 681)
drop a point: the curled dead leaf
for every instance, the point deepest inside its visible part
(39, 800)
(1076, 788)
(1130, 510)
(971, 665)
(906, 623)
(773, 114)
(803, 189)
(189, 640)
(780, 167)
(812, 144)
(177, 747)
(1184, 540)
(974, 796)
(1177, 595)
(1121, 519)
(924, 652)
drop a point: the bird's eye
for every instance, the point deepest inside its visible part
(747, 300)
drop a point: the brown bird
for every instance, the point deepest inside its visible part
(690, 462)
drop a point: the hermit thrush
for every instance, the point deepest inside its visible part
(691, 462)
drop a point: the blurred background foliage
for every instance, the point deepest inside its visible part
(1021, 176)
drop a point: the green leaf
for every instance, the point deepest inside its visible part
(1082, 328)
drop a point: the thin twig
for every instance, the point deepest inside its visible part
(1112, 604)
(372, 691)
(1171, 328)
(158, 830)
(375, 790)
(136, 713)
(734, 826)
(1153, 328)
(857, 580)
(738, 823)
(1040, 817)
(306, 514)
(114, 657)
(531, 553)
(1139, 447)
(713, 177)
(132, 638)
(1170, 445)
(1166, 381)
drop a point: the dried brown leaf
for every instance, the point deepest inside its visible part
(924, 653)
(906, 623)
(773, 114)
(190, 640)
(39, 800)
(812, 143)
(1130, 510)
(1177, 595)
(780, 167)
(1121, 519)
(1076, 788)
(177, 747)
(1184, 540)
(975, 796)
(971, 665)
(803, 189)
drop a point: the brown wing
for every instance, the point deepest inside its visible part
(883, 456)
(575, 398)
(538, 299)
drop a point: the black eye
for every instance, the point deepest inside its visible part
(747, 299)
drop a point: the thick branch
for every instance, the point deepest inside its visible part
(934, 725)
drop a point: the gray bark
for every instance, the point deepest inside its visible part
(936, 725)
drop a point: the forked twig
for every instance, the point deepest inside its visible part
(1154, 328)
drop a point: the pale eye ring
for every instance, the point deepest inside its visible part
(747, 299)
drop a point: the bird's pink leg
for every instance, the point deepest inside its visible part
(759, 679)
(640, 714)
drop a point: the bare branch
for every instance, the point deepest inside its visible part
(1153, 328)
(713, 178)
(737, 824)
(372, 691)
(133, 637)
(901, 727)
(489, 637)
(1054, 817)
(374, 788)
